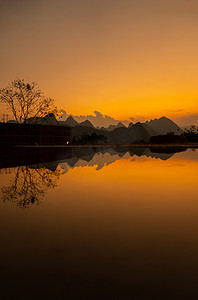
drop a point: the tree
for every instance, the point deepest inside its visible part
(26, 100)
(192, 134)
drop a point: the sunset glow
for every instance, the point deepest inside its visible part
(122, 58)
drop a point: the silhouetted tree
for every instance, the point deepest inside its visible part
(30, 185)
(26, 100)
(192, 134)
(90, 139)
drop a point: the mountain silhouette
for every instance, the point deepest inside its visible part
(149, 129)
(164, 126)
(69, 122)
(80, 130)
(49, 119)
(86, 133)
(112, 127)
(136, 133)
(86, 123)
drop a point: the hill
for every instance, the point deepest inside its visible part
(49, 119)
(164, 126)
(112, 127)
(86, 123)
(69, 122)
(150, 130)
(138, 133)
(135, 134)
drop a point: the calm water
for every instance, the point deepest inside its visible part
(92, 223)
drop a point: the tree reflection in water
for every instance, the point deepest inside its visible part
(30, 185)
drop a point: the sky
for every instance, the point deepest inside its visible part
(126, 59)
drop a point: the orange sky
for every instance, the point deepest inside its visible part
(124, 58)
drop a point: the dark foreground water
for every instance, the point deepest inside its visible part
(90, 223)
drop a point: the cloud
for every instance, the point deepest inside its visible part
(138, 118)
(187, 120)
(98, 114)
(175, 110)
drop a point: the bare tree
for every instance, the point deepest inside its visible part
(26, 100)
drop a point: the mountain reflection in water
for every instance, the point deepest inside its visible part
(32, 181)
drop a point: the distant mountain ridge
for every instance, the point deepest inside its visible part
(85, 132)
(135, 133)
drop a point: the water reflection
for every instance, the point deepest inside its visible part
(122, 223)
(30, 184)
(101, 157)
(14, 157)
(33, 180)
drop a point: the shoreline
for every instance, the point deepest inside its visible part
(188, 145)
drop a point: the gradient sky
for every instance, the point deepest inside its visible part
(124, 58)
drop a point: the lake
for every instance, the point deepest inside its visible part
(99, 223)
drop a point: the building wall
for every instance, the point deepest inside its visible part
(34, 134)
